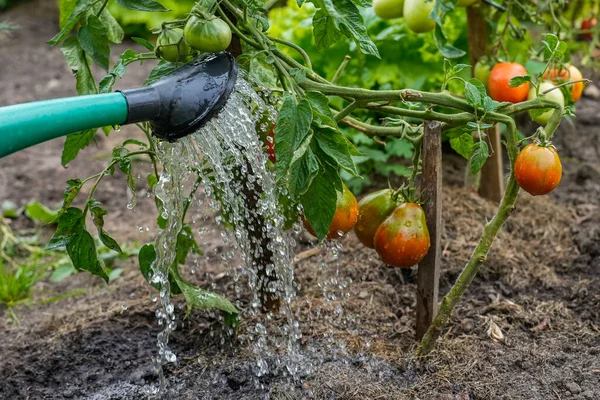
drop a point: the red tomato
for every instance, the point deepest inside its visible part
(498, 85)
(538, 169)
(402, 240)
(588, 24)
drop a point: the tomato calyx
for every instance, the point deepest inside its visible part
(406, 194)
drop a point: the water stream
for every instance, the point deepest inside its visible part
(227, 154)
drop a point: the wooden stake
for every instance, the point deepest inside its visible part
(491, 185)
(431, 191)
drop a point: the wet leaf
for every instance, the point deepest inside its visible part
(293, 124)
(98, 214)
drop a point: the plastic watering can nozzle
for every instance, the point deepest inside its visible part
(183, 101)
(176, 105)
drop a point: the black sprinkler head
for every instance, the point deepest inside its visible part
(183, 101)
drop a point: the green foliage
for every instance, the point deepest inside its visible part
(400, 50)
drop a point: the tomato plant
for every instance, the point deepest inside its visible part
(338, 117)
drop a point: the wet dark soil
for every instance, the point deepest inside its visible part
(540, 287)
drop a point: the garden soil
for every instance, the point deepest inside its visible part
(540, 286)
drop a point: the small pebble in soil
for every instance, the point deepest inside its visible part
(573, 387)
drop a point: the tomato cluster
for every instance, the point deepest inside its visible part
(396, 230)
(200, 34)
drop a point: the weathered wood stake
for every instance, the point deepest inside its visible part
(431, 191)
(491, 184)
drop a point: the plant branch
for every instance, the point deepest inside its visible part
(440, 99)
(340, 70)
(294, 46)
(588, 81)
(347, 111)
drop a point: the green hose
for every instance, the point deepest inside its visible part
(25, 125)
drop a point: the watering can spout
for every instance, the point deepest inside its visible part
(176, 105)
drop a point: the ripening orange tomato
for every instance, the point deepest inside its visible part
(402, 240)
(538, 169)
(571, 73)
(500, 76)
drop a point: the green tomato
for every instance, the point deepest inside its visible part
(171, 46)
(466, 3)
(388, 9)
(416, 15)
(212, 35)
(482, 72)
(555, 95)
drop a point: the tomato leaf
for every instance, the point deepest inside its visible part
(292, 127)
(341, 17)
(463, 144)
(98, 214)
(319, 203)
(74, 143)
(144, 43)
(446, 49)
(302, 171)
(338, 147)
(82, 251)
(71, 233)
(142, 5)
(72, 190)
(75, 10)
(320, 107)
(324, 30)
(202, 299)
(94, 41)
(519, 80)
(78, 62)
(118, 71)
(479, 156)
(114, 32)
(146, 258)
(186, 243)
(472, 95)
(553, 47)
